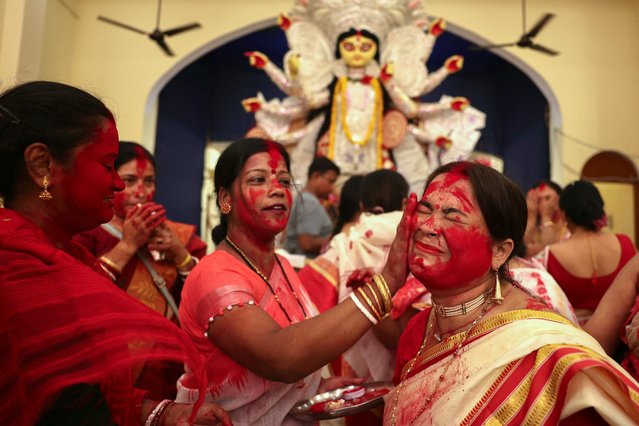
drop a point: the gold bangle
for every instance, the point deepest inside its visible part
(110, 263)
(380, 282)
(370, 304)
(185, 262)
(370, 287)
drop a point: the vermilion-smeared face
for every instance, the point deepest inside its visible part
(452, 247)
(85, 192)
(548, 194)
(139, 177)
(262, 194)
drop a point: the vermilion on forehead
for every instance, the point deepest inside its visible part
(455, 175)
(105, 143)
(257, 163)
(274, 154)
(463, 196)
(141, 160)
(434, 186)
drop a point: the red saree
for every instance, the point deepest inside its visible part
(63, 325)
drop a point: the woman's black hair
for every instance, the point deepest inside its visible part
(128, 151)
(229, 166)
(349, 200)
(60, 116)
(501, 202)
(553, 185)
(582, 204)
(383, 191)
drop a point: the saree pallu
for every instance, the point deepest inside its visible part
(325, 277)
(221, 282)
(64, 327)
(518, 367)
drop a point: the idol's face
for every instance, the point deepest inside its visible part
(452, 246)
(357, 50)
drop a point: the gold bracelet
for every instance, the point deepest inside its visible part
(548, 223)
(370, 304)
(379, 305)
(110, 263)
(185, 262)
(380, 282)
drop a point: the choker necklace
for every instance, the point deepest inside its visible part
(462, 308)
(268, 284)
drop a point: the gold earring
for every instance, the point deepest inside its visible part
(225, 209)
(497, 298)
(45, 194)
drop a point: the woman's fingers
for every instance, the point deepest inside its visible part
(396, 268)
(210, 413)
(359, 276)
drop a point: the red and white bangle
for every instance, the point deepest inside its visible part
(157, 412)
(183, 273)
(363, 309)
(108, 266)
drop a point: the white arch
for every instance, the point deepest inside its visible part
(149, 124)
(151, 105)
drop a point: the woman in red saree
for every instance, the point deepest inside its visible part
(247, 312)
(586, 264)
(70, 338)
(139, 228)
(487, 351)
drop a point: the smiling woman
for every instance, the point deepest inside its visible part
(245, 308)
(139, 237)
(70, 338)
(485, 335)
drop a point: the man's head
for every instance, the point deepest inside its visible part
(322, 175)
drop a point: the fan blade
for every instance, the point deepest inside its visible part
(544, 49)
(183, 28)
(165, 47)
(121, 25)
(539, 25)
(491, 46)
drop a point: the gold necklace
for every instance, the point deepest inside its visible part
(376, 116)
(442, 376)
(268, 284)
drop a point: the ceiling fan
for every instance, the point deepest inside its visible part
(526, 39)
(156, 35)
